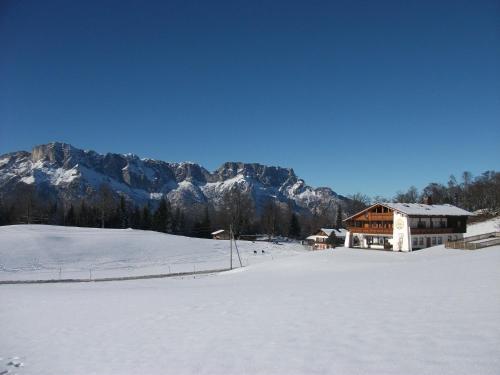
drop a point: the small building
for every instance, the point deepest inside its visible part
(220, 234)
(405, 226)
(326, 238)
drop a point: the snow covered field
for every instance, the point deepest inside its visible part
(342, 311)
(43, 252)
(489, 226)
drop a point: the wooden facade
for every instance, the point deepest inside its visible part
(375, 220)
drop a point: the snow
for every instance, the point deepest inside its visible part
(428, 209)
(28, 180)
(488, 226)
(342, 311)
(156, 196)
(417, 209)
(212, 188)
(340, 232)
(45, 171)
(43, 252)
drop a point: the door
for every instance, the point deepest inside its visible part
(428, 242)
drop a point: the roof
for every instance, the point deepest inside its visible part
(217, 232)
(420, 209)
(428, 209)
(327, 231)
(313, 237)
(338, 232)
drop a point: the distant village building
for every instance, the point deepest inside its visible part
(326, 238)
(405, 226)
(220, 234)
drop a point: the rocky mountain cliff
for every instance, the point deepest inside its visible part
(61, 171)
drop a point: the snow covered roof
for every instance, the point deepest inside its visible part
(328, 231)
(338, 232)
(428, 209)
(420, 209)
(217, 232)
(315, 237)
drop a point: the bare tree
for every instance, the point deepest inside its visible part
(105, 202)
(357, 202)
(238, 209)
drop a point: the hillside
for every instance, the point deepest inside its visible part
(346, 311)
(51, 252)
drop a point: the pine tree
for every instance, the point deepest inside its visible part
(340, 223)
(175, 220)
(83, 215)
(135, 219)
(146, 218)
(294, 231)
(161, 217)
(123, 213)
(203, 228)
(70, 216)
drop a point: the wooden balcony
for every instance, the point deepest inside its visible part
(436, 230)
(368, 230)
(379, 216)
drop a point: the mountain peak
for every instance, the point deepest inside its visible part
(65, 172)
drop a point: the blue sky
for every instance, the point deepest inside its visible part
(368, 96)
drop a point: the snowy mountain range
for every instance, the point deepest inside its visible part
(62, 171)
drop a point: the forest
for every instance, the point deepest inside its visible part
(106, 209)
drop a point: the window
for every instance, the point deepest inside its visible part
(433, 240)
(440, 240)
(421, 241)
(415, 241)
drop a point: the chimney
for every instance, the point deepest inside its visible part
(427, 199)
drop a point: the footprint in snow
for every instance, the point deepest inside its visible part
(15, 363)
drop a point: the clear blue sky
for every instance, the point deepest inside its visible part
(369, 96)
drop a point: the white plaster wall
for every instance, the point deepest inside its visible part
(348, 242)
(401, 233)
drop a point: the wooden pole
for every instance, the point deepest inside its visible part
(231, 245)
(238, 252)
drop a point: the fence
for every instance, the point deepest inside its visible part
(120, 278)
(468, 243)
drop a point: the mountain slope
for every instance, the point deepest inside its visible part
(62, 171)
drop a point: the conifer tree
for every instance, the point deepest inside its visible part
(161, 217)
(339, 223)
(294, 231)
(70, 216)
(146, 218)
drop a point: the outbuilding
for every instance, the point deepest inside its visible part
(326, 238)
(220, 234)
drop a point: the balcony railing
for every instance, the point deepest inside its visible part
(370, 230)
(436, 230)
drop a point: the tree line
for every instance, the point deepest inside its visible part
(471, 193)
(106, 209)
